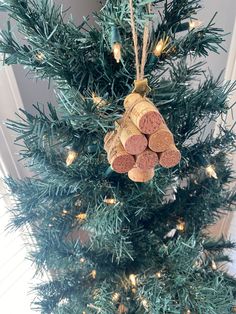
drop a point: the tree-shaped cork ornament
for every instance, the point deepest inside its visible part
(141, 140)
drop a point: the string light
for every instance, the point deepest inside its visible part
(181, 225)
(188, 312)
(71, 157)
(116, 43)
(98, 101)
(116, 297)
(117, 52)
(39, 56)
(198, 263)
(110, 201)
(210, 172)
(170, 234)
(161, 46)
(93, 274)
(213, 265)
(64, 212)
(82, 260)
(132, 279)
(78, 203)
(173, 49)
(158, 274)
(63, 301)
(81, 216)
(91, 306)
(144, 303)
(195, 24)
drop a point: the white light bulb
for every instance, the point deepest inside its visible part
(195, 24)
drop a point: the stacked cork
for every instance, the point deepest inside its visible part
(141, 141)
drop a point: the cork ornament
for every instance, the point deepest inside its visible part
(141, 139)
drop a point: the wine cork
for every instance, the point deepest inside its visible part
(108, 140)
(146, 117)
(118, 123)
(170, 158)
(143, 114)
(132, 139)
(138, 175)
(132, 99)
(147, 160)
(119, 159)
(161, 139)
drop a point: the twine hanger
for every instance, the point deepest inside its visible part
(140, 67)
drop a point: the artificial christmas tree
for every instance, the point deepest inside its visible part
(109, 244)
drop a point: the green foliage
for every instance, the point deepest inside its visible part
(138, 233)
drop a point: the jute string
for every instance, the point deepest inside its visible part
(139, 68)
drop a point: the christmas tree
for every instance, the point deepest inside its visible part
(112, 242)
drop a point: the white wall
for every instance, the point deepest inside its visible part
(226, 14)
(33, 92)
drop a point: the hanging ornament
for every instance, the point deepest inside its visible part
(71, 157)
(141, 139)
(161, 46)
(210, 172)
(116, 43)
